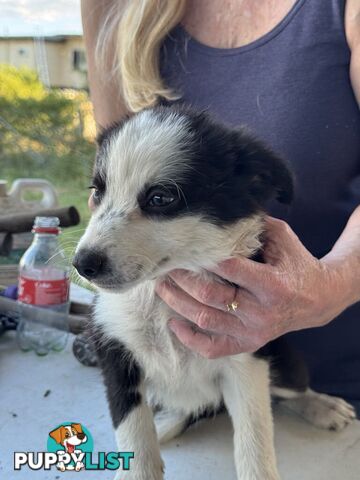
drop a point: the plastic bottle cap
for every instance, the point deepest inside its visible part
(46, 225)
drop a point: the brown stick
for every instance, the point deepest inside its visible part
(46, 317)
(23, 222)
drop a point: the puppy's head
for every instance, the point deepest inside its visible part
(170, 186)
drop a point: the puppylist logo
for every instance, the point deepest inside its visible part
(70, 447)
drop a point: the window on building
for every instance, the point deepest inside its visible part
(79, 61)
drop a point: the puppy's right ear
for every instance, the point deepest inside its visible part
(58, 434)
(269, 176)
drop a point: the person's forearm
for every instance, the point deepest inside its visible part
(344, 258)
(352, 30)
(104, 88)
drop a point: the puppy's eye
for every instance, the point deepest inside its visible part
(67, 434)
(97, 193)
(159, 200)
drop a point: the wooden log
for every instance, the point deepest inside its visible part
(23, 222)
(43, 316)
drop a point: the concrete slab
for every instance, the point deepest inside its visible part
(39, 393)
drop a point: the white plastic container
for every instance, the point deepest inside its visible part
(22, 185)
(14, 201)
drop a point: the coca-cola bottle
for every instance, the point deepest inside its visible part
(43, 282)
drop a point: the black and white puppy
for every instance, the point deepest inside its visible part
(174, 189)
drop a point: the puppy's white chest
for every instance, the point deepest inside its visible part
(174, 376)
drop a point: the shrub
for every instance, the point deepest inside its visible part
(42, 131)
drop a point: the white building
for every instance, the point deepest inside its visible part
(59, 60)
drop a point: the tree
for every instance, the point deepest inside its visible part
(40, 127)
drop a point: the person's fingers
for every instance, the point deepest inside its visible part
(282, 247)
(205, 317)
(209, 291)
(281, 243)
(206, 344)
(244, 272)
(278, 233)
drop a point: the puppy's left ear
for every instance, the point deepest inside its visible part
(269, 176)
(105, 134)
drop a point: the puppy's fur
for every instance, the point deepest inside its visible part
(174, 189)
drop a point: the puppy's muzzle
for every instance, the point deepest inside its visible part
(90, 263)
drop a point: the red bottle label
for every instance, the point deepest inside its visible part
(43, 292)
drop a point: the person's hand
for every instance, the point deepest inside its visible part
(292, 290)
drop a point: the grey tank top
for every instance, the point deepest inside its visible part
(292, 88)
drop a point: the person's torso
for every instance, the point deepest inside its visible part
(292, 88)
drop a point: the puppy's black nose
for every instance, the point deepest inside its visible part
(89, 263)
(80, 436)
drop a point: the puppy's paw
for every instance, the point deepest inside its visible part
(324, 411)
(333, 413)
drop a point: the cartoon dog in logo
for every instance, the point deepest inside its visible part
(69, 437)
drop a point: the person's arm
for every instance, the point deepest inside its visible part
(104, 88)
(344, 257)
(352, 28)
